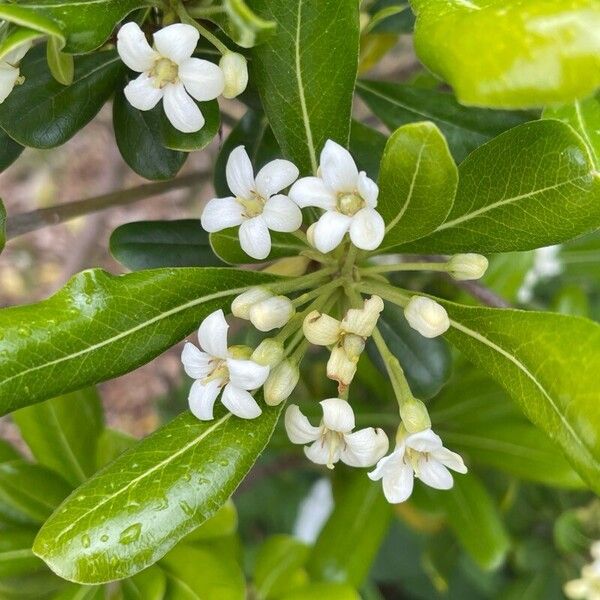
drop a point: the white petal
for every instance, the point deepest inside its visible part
(281, 214)
(312, 191)
(337, 415)
(450, 459)
(212, 334)
(239, 173)
(367, 189)
(202, 398)
(298, 427)
(364, 447)
(177, 41)
(424, 441)
(8, 78)
(134, 49)
(195, 362)
(388, 464)
(330, 230)
(181, 110)
(338, 168)
(240, 402)
(246, 374)
(15, 56)
(319, 453)
(220, 213)
(275, 176)
(255, 239)
(398, 486)
(367, 229)
(434, 474)
(202, 79)
(427, 316)
(142, 94)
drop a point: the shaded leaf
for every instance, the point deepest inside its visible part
(149, 584)
(16, 556)
(7, 452)
(111, 444)
(189, 142)
(324, 591)
(366, 146)
(9, 152)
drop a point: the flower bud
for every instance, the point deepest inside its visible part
(271, 313)
(293, 266)
(310, 235)
(268, 353)
(428, 317)
(241, 305)
(235, 70)
(240, 352)
(362, 321)
(320, 329)
(415, 416)
(281, 382)
(341, 368)
(353, 345)
(464, 267)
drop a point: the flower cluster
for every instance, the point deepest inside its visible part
(586, 587)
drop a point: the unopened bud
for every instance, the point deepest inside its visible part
(235, 70)
(428, 317)
(362, 321)
(241, 305)
(341, 368)
(310, 235)
(415, 416)
(240, 352)
(320, 329)
(293, 266)
(268, 353)
(353, 346)
(464, 267)
(271, 313)
(281, 382)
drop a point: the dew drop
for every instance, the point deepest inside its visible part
(85, 540)
(104, 538)
(131, 534)
(224, 463)
(187, 477)
(186, 508)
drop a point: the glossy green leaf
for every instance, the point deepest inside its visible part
(32, 25)
(188, 142)
(529, 187)
(465, 128)
(43, 113)
(17, 36)
(7, 452)
(62, 433)
(511, 55)
(305, 73)
(149, 584)
(417, 183)
(16, 556)
(366, 146)
(324, 591)
(29, 493)
(96, 327)
(135, 510)
(9, 152)
(152, 244)
(112, 443)
(140, 144)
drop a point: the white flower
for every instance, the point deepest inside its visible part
(169, 72)
(333, 440)
(419, 455)
(256, 205)
(587, 587)
(466, 267)
(9, 70)
(348, 197)
(214, 368)
(428, 317)
(235, 70)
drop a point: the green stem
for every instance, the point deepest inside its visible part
(320, 291)
(385, 290)
(407, 266)
(299, 283)
(204, 32)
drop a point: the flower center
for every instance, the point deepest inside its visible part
(252, 206)
(413, 458)
(334, 440)
(219, 371)
(164, 71)
(349, 204)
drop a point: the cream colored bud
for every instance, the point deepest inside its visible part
(240, 352)
(320, 329)
(271, 313)
(281, 382)
(268, 353)
(353, 345)
(428, 317)
(464, 267)
(235, 70)
(310, 235)
(241, 305)
(415, 416)
(341, 368)
(293, 266)
(362, 321)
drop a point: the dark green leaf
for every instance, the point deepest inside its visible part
(9, 151)
(62, 433)
(131, 513)
(107, 325)
(367, 145)
(149, 584)
(43, 113)
(16, 556)
(188, 142)
(152, 244)
(305, 73)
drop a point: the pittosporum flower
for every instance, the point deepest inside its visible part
(9, 70)
(257, 205)
(419, 455)
(465, 267)
(333, 440)
(348, 197)
(586, 587)
(215, 367)
(427, 316)
(263, 309)
(235, 70)
(169, 72)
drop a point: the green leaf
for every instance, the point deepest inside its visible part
(511, 55)
(61, 65)
(222, 523)
(79, 592)
(135, 510)
(140, 144)
(417, 183)
(16, 556)
(188, 142)
(63, 437)
(348, 543)
(31, 586)
(426, 362)
(529, 187)
(305, 74)
(9, 152)
(17, 36)
(7, 452)
(149, 584)
(324, 591)
(29, 493)
(584, 117)
(112, 443)
(43, 113)
(366, 146)
(152, 244)
(32, 25)
(465, 128)
(108, 325)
